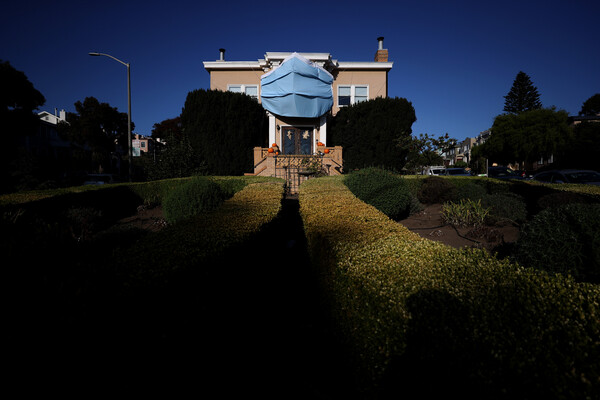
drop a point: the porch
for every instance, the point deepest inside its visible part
(296, 168)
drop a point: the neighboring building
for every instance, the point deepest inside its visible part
(46, 142)
(584, 118)
(464, 150)
(482, 137)
(141, 144)
(299, 91)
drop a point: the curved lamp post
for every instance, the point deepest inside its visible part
(130, 160)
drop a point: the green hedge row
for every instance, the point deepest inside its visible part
(61, 243)
(421, 317)
(192, 242)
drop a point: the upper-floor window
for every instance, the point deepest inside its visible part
(249, 90)
(352, 94)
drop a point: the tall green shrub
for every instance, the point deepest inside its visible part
(369, 133)
(223, 128)
(563, 239)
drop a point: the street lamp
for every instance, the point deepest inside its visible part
(130, 160)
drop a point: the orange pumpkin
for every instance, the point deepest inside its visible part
(270, 150)
(326, 151)
(274, 145)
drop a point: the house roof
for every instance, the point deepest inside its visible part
(273, 59)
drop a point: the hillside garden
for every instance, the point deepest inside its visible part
(516, 319)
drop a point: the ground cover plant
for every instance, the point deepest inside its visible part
(423, 318)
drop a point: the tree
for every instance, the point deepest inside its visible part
(370, 131)
(425, 150)
(528, 136)
(99, 126)
(591, 106)
(175, 159)
(585, 147)
(18, 101)
(167, 128)
(222, 129)
(523, 96)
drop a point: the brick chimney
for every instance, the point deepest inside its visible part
(382, 54)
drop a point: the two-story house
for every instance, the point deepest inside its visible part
(298, 92)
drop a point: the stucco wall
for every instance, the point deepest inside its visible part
(376, 80)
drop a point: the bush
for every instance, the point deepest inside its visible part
(199, 195)
(561, 199)
(505, 207)
(239, 123)
(368, 131)
(470, 190)
(503, 204)
(564, 239)
(436, 190)
(465, 213)
(383, 190)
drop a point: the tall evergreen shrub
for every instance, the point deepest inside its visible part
(223, 128)
(370, 131)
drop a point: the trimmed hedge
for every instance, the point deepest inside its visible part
(63, 242)
(384, 190)
(200, 194)
(421, 317)
(192, 242)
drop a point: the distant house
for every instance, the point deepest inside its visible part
(141, 144)
(298, 92)
(584, 118)
(46, 143)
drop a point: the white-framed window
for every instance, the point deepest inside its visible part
(352, 94)
(249, 90)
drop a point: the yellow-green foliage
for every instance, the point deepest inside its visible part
(189, 243)
(465, 212)
(374, 269)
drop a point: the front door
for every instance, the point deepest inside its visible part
(297, 140)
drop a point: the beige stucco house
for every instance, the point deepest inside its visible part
(299, 91)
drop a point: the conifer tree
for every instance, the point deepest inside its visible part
(523, 96)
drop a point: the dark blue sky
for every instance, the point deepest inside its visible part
(454, 60)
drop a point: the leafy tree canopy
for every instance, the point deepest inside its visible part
(585, 147)
(18, 101)
(523, 96)
(528, 136)
(167, 128)
(97, 125)
(425, 150)
(177, 158)
(591, 106)
(370, 131)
